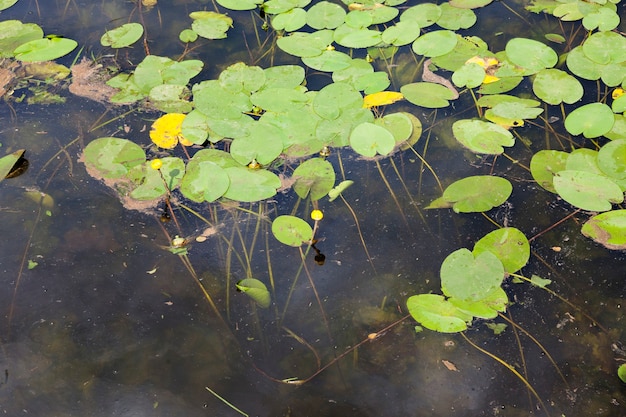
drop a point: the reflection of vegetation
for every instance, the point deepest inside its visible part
(268, 130)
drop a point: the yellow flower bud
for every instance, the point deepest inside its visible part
(156, 164)
(317, 215)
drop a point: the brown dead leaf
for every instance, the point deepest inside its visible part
(449, 365)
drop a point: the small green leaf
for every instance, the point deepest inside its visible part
(7, 162)
(122, 36)
(291, 230)
(621, 372)
(44, 49)
(497, 328)
(256, 290)
(340, 188)
(537, 281)
(32, 264)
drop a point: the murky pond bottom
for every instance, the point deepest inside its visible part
(99, 318)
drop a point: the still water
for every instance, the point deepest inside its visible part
(98, 319)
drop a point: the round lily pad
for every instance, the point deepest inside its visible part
(424, 14)
(291, 230)
(122, 36)
(369, 139)
(509, 244)
(555, 86)
(251, 185)
(592, 120)
(588, 191)
(14, 33)
(468, 277)
(315, 177)
(612, 159)
(436, 313)
(204, 181)
(113, 157)
(608, 229)
(435, 43)
(545, 164)
(474, 194)
(325, 15)
(46, 49)
(429, 95)
(155, 184)
(482, 137)
(530, 54)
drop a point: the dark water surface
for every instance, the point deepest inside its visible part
(99, 320)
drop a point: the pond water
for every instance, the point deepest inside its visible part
(100, 319)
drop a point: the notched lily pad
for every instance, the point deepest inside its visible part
(474, 194)
(436, 313)
(608, 229)
(588, 191)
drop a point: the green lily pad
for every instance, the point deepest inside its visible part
(7, 162)
(470, 75)
(113, 157)
(583, 159)
(251, 185)
(530, 54)
(240, 4)
(315, 177)
(5, 4)
(482, 137)
(336, 98)
(240, 77)
(210, 25)
(618, 131)
(588, 191)
(325, 15)
(369, 139)
(187, 35)
(425, 14)
(279, 99)
(264, 143)
(204, 181)
(285, 76)
(470, 278)
(429, 95)
(621, 372)
(340, 188)
(400, 125)
(291, 230)
(608, 229)
(603, 19)
(290, 21)
(435, 43)
(14, 33)
(582, 66)
(436, 313)
(545, 164)
(474, 194)
(217, 102)
(46, 49)
(157, 70)
(171, 98)
(359, 38)
(328, 61)
(303, 44)
(256, 290)
(153, 182)
(555, 86)
(619, 104)
(454, 18)
(402, 33)
(592, 120)
(612, 159)
(509, 244)
(122, 36)
(485, 308)
(605, 48)
(298, 128)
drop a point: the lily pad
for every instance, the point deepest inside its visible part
(325, 15)
(303, 44)
(264, 143)
(14, 33)
(454, 18)
(592, 120)
(482, 137)
(46, 49)
(509, 244)
(340, 188)
(608, 229)
(530, 54)
(251, 185)
(122, 36)
(291, 230)
(545, 164)
(435, 43)
(204, 181)
(369, 139)
(436, 313)
(402, 33)
(256, 290)
(468, 277)
(360, 38)
(425, 14)
(210, 25)
(474, 194)
(605, 48)
(113, 157)
(240, 4)
(612, 159)
(588, 191)
(427, 95)
(7, 162)
(290, 21)
(314, 177)
(155, 184)
(555, 86)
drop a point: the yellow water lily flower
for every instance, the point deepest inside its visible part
(156, 164)
(617, 93)
(166, 131)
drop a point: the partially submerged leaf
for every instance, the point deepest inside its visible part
(7, 162)
(256, 290)
(608, 229)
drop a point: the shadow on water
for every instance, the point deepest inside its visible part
(105, 322)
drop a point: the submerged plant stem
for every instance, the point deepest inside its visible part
(510, 368)
(358, 226)
(222, 399)
(393, 195)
